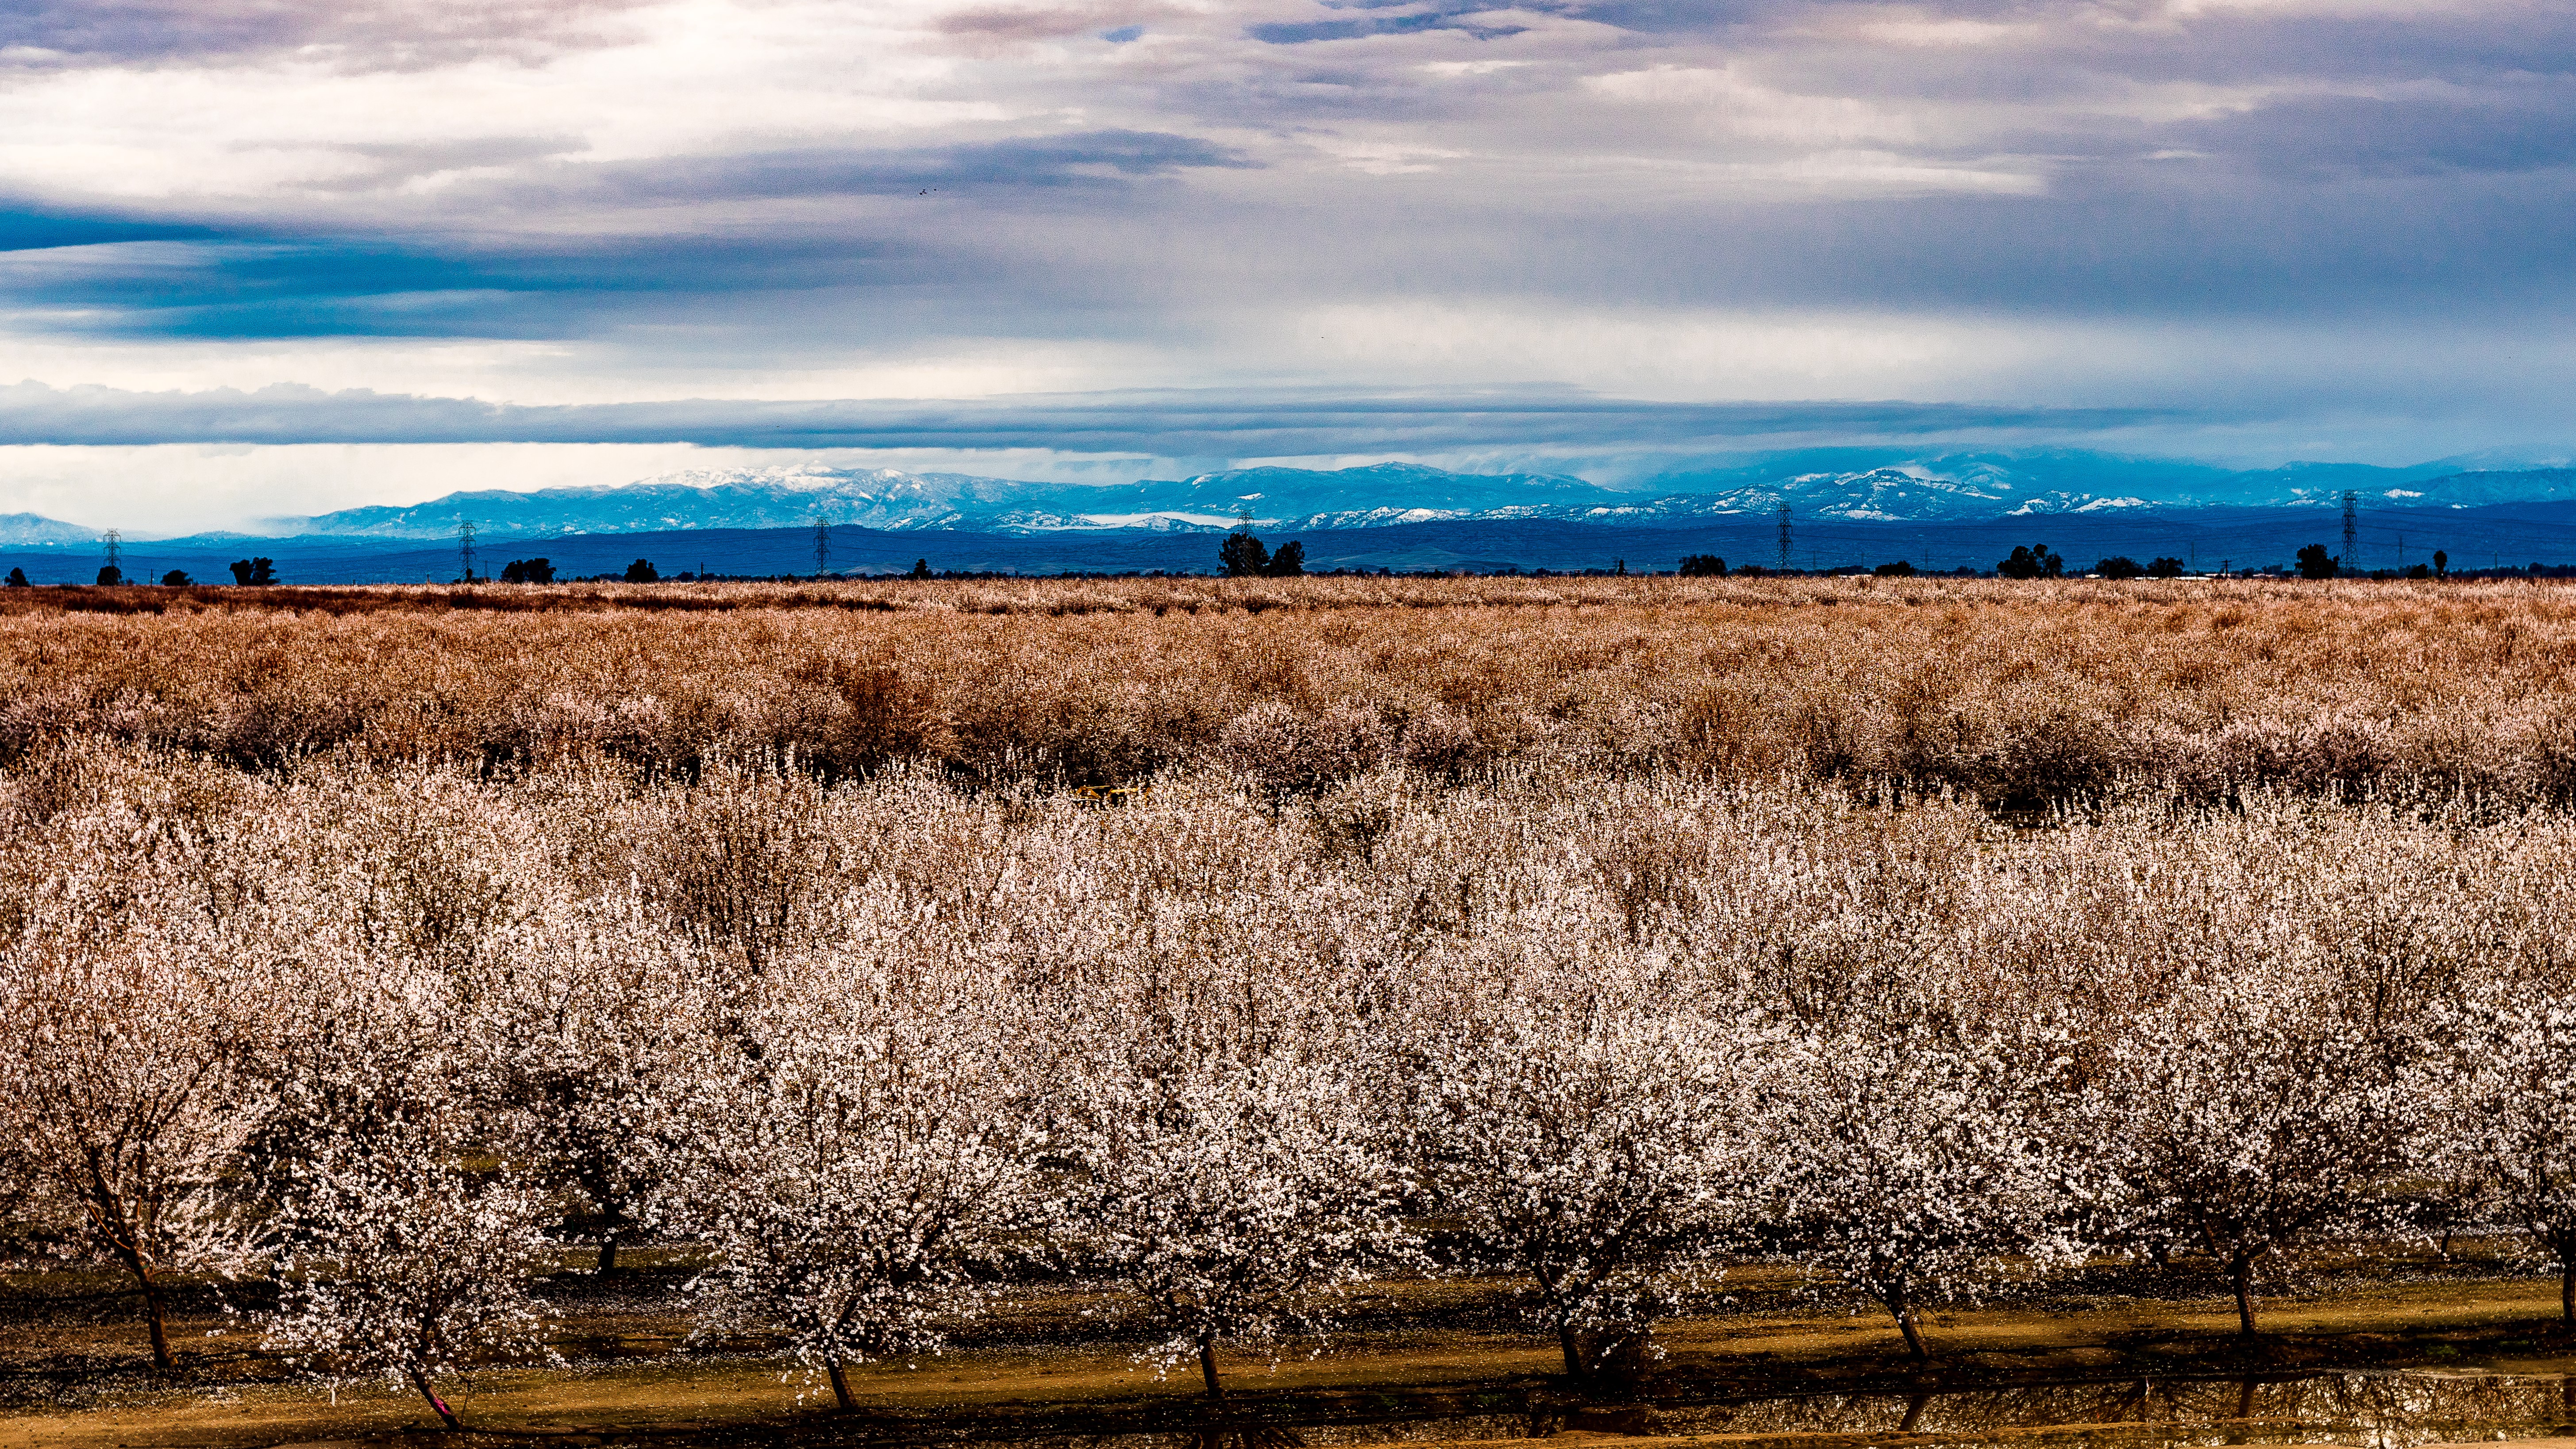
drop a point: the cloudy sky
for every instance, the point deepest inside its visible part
(269, 256)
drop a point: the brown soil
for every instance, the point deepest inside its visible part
(1442, 1358)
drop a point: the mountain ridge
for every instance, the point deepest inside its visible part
(1837, 485)
(2475, 537)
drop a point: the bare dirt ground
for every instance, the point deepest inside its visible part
(1423, 1363)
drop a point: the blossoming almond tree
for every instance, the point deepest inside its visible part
(2502, 1073)
(2250, 1113)
(1236, 1195)
(403, 1248)
(583, 1027)
(1914, 1162)
(395, 1261)
(124, 1092)
(1605, 1154)
(852, 1160)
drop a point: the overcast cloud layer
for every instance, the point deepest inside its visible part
(2257, 228)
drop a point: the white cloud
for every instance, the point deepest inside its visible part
(1936, 201)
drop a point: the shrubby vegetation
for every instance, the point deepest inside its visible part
(383, 1039)
(2026, 695)
(373, 961)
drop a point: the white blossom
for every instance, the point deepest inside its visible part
(130, 1043)
(855, 1158)
(1914, 1157)
(397, 1259)
(2250, 1113)
(1597, 1141)
(2501, 1075)
(1235, 1197)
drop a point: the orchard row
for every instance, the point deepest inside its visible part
(387, 1042)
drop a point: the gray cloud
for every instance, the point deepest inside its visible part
(2393, 188)
(1187, 423)
(384, 34)
(1394, 17)
(1085, 159)
(1049, 22)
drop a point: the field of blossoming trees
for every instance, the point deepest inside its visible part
(1190, 974)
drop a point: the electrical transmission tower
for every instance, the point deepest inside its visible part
(465, 545)
(114, 573)
(2351, 560)
(1784, 538)
(822, 543)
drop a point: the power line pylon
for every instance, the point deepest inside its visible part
(465, 545)
(2351, 561)
(1784, 538)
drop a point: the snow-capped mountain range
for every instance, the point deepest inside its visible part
(1843, 485)
(1948, 489)
(887, 499)
(35, 528)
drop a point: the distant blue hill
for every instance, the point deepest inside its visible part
(1821, 489)
(2543, 531)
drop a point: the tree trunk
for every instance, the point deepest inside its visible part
(607, 1254)
(155, 1323)
(1572, 1343)
(155, 1319)
(1914, 1407)
(840, 1385)
(2240, 1270)
(437, 1405)
(1207, 1365)
(2567, 1289)
(1903, 1307)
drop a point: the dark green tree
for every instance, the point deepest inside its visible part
(528, 571)
(249, 571)
(2441, 564)
(2165, 568)
(2120, 566)
(1289, 562)
(2032, 563)
(17, 579)
(176, 579)
(1243, 555)
(2316, 563)
(642, 572)
(111, 574)
(1702, 566)
(1897, 570)
(921, 568)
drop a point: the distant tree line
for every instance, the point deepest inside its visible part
(1244, 555)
